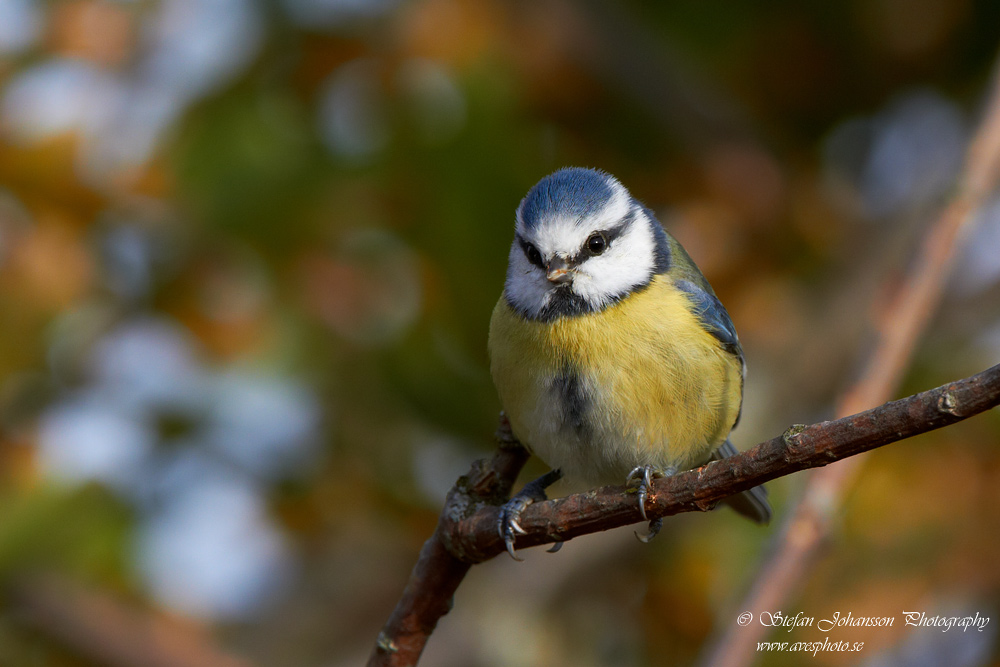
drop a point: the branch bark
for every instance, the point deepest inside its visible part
(466, 533)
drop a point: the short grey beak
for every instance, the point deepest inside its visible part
(558, 271)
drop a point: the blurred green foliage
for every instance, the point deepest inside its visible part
(321, 195)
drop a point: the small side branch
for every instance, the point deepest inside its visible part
(466, 533)
(442, 565)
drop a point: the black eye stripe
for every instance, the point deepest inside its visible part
(619, 229)
(613, 233)
(609, 235)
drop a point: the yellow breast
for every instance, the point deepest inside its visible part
(640, 382)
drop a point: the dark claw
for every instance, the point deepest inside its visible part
(654, 529)
(555, 547)
(534, 491)
(507, 525)
(645, 475)
(647, 481)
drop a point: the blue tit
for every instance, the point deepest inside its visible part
(613, 358)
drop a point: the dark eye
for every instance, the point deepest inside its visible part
(531, 252)
(597, 244)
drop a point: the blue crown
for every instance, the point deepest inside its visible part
(573, 192)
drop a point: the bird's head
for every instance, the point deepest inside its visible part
(581, 243)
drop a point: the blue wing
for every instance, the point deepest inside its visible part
(713, 316)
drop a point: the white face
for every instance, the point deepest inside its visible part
(568, 277)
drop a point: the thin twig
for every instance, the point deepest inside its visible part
(467, 534)
(903, 323)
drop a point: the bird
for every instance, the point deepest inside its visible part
(613, 358)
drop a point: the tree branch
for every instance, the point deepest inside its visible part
(466, 533)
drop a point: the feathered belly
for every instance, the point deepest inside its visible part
(598, 394)
(598, 423)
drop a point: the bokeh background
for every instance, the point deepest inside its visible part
(248, 253)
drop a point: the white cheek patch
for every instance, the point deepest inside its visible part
(627, 263)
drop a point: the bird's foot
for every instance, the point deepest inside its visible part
(654, 528)
(644, 475)
(534, 491)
